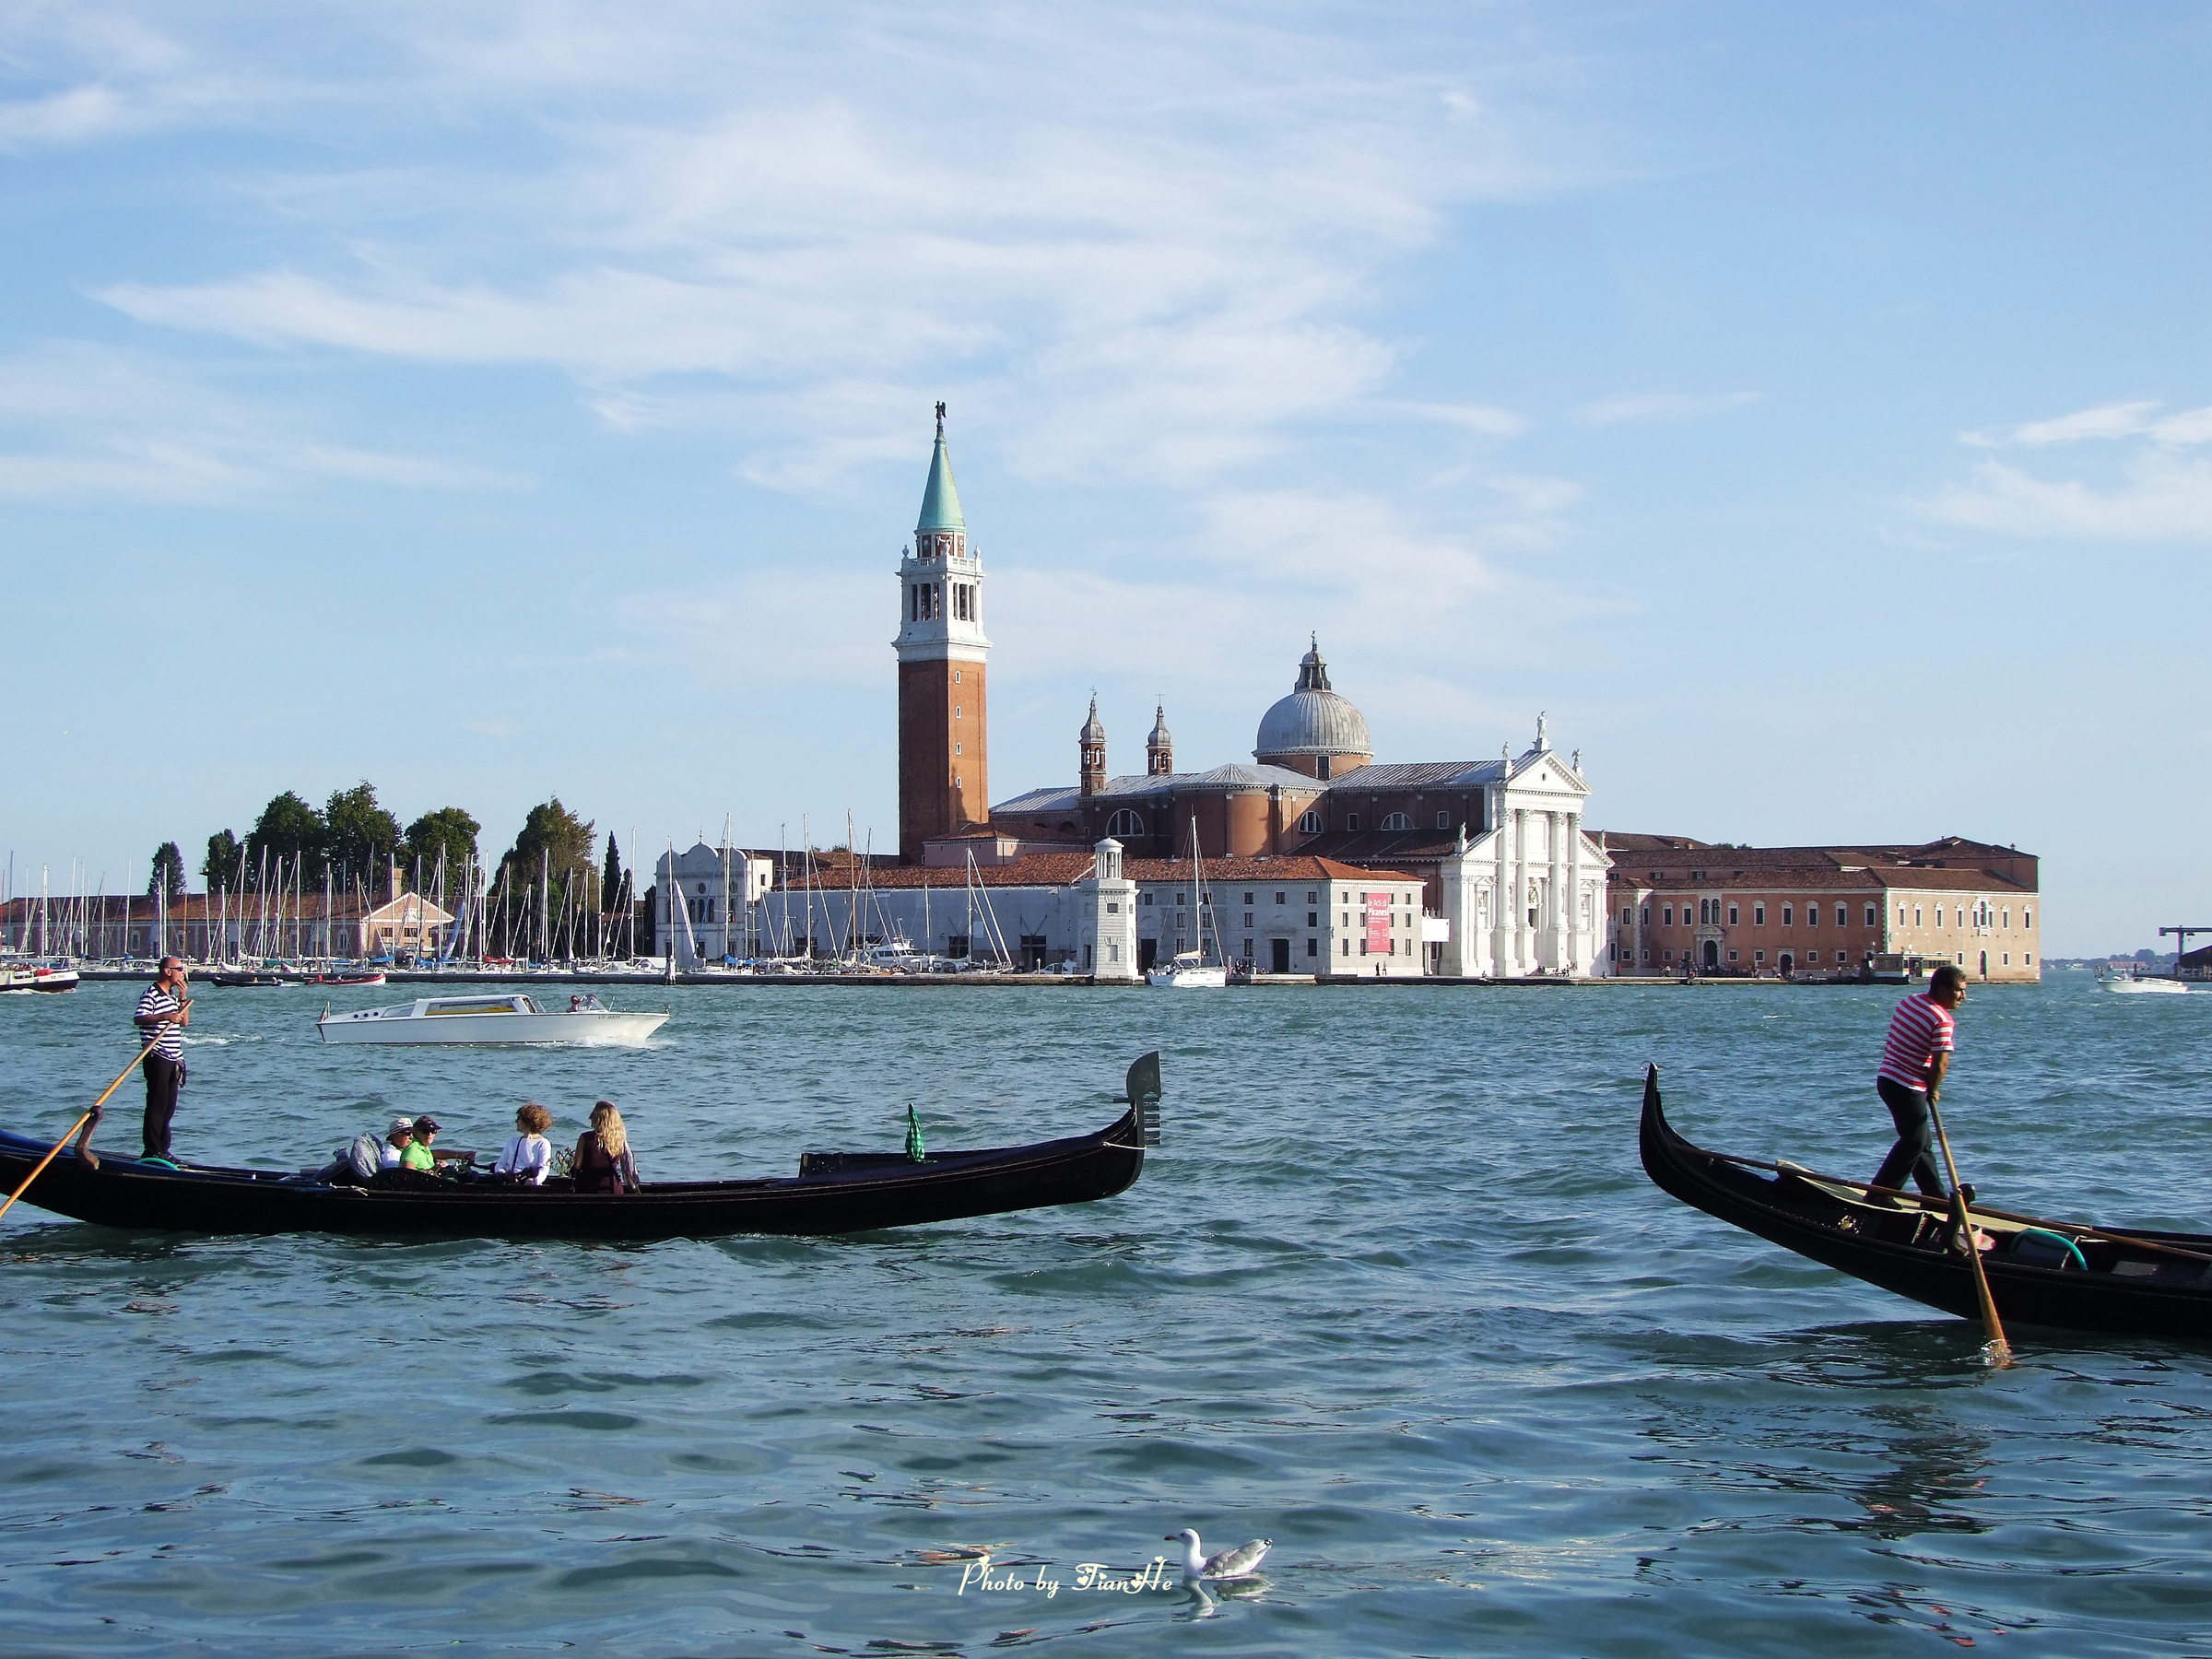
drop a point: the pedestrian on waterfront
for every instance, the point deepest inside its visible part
(163, 1013)
(1914, 1059)
(602, 1162)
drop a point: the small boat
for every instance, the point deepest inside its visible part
(833, 1192)
(508, 1017)
(374, 978)
(36, 976)
(2146, 987)
(249, 979)
(2066, 1274)
(1189, 970)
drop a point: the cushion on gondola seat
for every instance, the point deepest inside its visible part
(2040, 1247)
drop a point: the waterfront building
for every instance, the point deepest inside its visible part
(708, 905)
(1674, 902)
(228, 927)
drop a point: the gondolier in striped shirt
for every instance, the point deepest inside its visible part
(163, 1013)
(1914, 1062)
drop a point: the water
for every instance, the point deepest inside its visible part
(1395, 1294)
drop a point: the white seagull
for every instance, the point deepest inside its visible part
(1241, 1562)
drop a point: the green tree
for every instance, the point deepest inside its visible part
(168, 872)
(225, 859)
(287, 827)
(610, 879)
(449, 831)
(357, 832)
(556, 835)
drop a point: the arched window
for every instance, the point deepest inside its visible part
(1310, 824)
(1397, 820)
(1124, 823)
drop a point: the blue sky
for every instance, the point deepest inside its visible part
(1808, 407)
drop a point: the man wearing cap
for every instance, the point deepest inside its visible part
(417, 1153)
(398, 1139)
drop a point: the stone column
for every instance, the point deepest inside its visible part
(1501, 893)
(1575, 955)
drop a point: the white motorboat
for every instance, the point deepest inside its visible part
(36, 976)
(2147, 986)
(507, 1017)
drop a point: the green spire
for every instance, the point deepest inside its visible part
(913, 1137)
(940, 501)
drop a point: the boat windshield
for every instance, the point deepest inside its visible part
(480, 1005)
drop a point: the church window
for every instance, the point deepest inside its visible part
(1310, 824)
(1347, 947)
(1873, 916)
(1916, 915)
(1126, 822)
(956, 677)
(1351, 820)
(1733, 914)
(1788, 915)
(2008, 918)
(1397, 820)
(2027, 918)
(1114, 907)
(1443, 821)
(1667, 912)
(955, 711)
(1812, 915)
(1758, 915)
(956, 749)
(1647, 920)
(1147, 898)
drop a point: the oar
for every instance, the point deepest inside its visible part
(75, 1126)
(1999, 1350)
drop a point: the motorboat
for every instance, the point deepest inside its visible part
(2136, 986)
(36, 976)
(832, 1193)
(509, 1016)
(374, 976)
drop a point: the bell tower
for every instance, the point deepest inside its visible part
(944, 742)
(1091, 740)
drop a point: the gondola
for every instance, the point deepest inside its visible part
(833, 1192)
(2064, 1274)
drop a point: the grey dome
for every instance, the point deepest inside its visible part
(1314, 720)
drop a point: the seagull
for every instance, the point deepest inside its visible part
(1241, 1562)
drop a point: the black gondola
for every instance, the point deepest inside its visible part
(833, 1193)
(2064, 1274)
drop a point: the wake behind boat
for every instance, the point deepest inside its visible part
(503, 1019)
(833, 1192)
(2053, 1273)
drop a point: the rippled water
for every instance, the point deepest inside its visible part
(1395, 1294)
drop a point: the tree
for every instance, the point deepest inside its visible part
(610, 879)
(287, 827)
(558, 837)
(449, 831)
(225, 859)
(357, 832)
(169, 872)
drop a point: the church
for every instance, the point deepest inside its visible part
(1510, 883)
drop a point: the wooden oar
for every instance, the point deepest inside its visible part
(1999, 1350)
(72, 1128)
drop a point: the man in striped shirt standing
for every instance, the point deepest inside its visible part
(1914, 1062)
(163, 1013)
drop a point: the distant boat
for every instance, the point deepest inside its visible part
(250, 980)
(36, 976)
(1189, 970)
(2128, 983)
(510, 1017)
(375, 977)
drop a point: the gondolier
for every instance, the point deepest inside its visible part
(1914, 1058)
(163, 1013)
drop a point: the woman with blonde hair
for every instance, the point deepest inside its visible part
(602, 1163)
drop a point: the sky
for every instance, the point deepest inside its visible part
(1808, 408)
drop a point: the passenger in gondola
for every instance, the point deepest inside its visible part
(529, 1156)
(397, 1143)
(602, 1162)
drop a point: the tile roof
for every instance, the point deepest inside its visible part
(1137, 787)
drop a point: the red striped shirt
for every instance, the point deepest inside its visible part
(1919, 1030)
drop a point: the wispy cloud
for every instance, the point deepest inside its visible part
(2147, 488)
(1146, 238)
(81, 422)
(1647, 407)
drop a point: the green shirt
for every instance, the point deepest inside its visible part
(416, 1155)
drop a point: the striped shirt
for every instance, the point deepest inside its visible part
(1919, 1030)
(170, 1043)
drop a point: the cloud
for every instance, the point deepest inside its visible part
(2152, 489)
(2164, 498)
(1147, 237)
(1641, 408)
(81, 422)
(2109, 420)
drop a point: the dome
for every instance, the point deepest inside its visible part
(1092, 734)
(1314, 720)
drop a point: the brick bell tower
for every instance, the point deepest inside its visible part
(943, 735)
